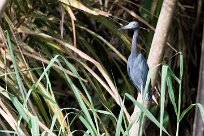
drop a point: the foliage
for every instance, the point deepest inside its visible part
(64, 69)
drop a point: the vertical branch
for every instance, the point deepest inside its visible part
(160, 36)
(198, 127)
(3, 4)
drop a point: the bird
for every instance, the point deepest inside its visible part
(137, 67)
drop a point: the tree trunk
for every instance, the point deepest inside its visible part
(198, 127)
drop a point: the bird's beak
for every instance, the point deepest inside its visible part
(126, 27)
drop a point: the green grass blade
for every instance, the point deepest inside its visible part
(119, 127)
(119, 124)
(72, 68)
(163, 90)
(82, 105)
(179, 97)
(19, 108)
(34, 126)
(185, 111)
(18, 78)
(11, 132)
(201, 109)
(171, 92)
(146, 112)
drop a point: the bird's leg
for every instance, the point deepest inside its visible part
(141, 91)
(135, 117)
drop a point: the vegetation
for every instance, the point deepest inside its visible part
(63, 68)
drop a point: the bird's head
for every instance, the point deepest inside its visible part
(134, 25)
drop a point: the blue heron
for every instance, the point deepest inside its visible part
(137, 67)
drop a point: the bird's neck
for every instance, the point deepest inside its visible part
(134, 43)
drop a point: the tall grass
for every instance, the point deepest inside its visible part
(87, 113)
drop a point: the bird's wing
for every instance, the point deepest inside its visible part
(128, 71)
(143, 69)
(143, 65)
(144, 73)
(132, 78)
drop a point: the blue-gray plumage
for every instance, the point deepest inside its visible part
(137, 67)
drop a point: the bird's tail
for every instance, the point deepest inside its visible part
(147, 95)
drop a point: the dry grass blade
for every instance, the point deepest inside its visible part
(73, 18)
(10, 119)
(41, 59)
(99, 79)
(79, 5)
